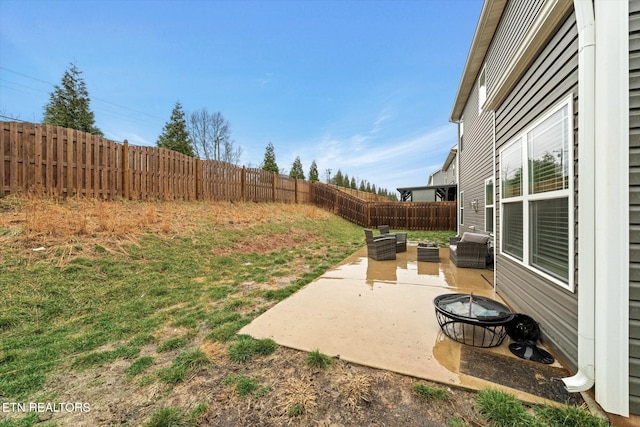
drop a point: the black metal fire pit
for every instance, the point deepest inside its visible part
(472, 320)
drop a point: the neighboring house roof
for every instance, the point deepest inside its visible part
(487, 24)
(450, 158)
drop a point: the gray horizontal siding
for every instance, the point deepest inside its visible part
(634, 206)
(476, 158)
(514, 24)
(475, 167)
(551, 77)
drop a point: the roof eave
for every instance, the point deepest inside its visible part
(487, 24)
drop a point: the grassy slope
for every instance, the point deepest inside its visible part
(78, 296)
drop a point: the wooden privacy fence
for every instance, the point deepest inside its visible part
(398, 215)
(58, 161)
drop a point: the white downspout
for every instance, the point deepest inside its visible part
(612, 210)
(585, 377)
(495, 203)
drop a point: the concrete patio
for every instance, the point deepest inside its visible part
(380, 314)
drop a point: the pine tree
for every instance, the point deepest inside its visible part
(353, 184)
(174, 135)
(313, 172)
(269, 163)
(296, 169)
(69, 104)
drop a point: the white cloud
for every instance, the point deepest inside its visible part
(387, 163)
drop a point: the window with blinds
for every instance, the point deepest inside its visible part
(549, 241)
(511, 170)
(536, 216)
(513, 236)
(548, 152)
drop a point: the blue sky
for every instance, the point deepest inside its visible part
(362, 86)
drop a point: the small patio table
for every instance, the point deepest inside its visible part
(472, 320)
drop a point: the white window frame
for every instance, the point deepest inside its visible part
(461, 207)
(487, 206)
(526, 197)
(482, 89)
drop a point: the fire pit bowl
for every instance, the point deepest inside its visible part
(472, 320)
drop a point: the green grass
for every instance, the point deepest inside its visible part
(296, 410)
(245, 347)
(568, 416)
(168, 417)
(99, 358)
(174, 417)
(139, 366)
(27, 421)
(439, 237)
(503, 409)
(245, 385)
(429, 393)
(183, 365)
(319, 360)
(174, 343)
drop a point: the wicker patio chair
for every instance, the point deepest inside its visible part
(401, 238)
(469, 251)
(380, 248)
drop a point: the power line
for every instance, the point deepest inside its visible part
(15, 119)
(92, 98)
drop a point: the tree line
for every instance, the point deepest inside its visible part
(197, 134)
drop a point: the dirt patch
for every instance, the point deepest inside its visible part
(265, 244)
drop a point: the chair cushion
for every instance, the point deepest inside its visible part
(474, 238)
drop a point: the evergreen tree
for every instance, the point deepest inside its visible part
(346, 181)
(338, 179)
(313, 172)
(269, 163)
(174, 135)
(353, 184)
(69, 104)
(362, 186)
(296, 169)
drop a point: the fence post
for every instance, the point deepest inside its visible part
(199, 192)
(295, 194)
(243, 184)
(274, 187)
(126, 179)
(406, 217)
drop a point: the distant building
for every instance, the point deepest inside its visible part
(442, 185)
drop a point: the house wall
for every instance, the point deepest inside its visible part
(551, 78)
(443, 177)
(475, 154)
(427, 195)
(634, 208)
